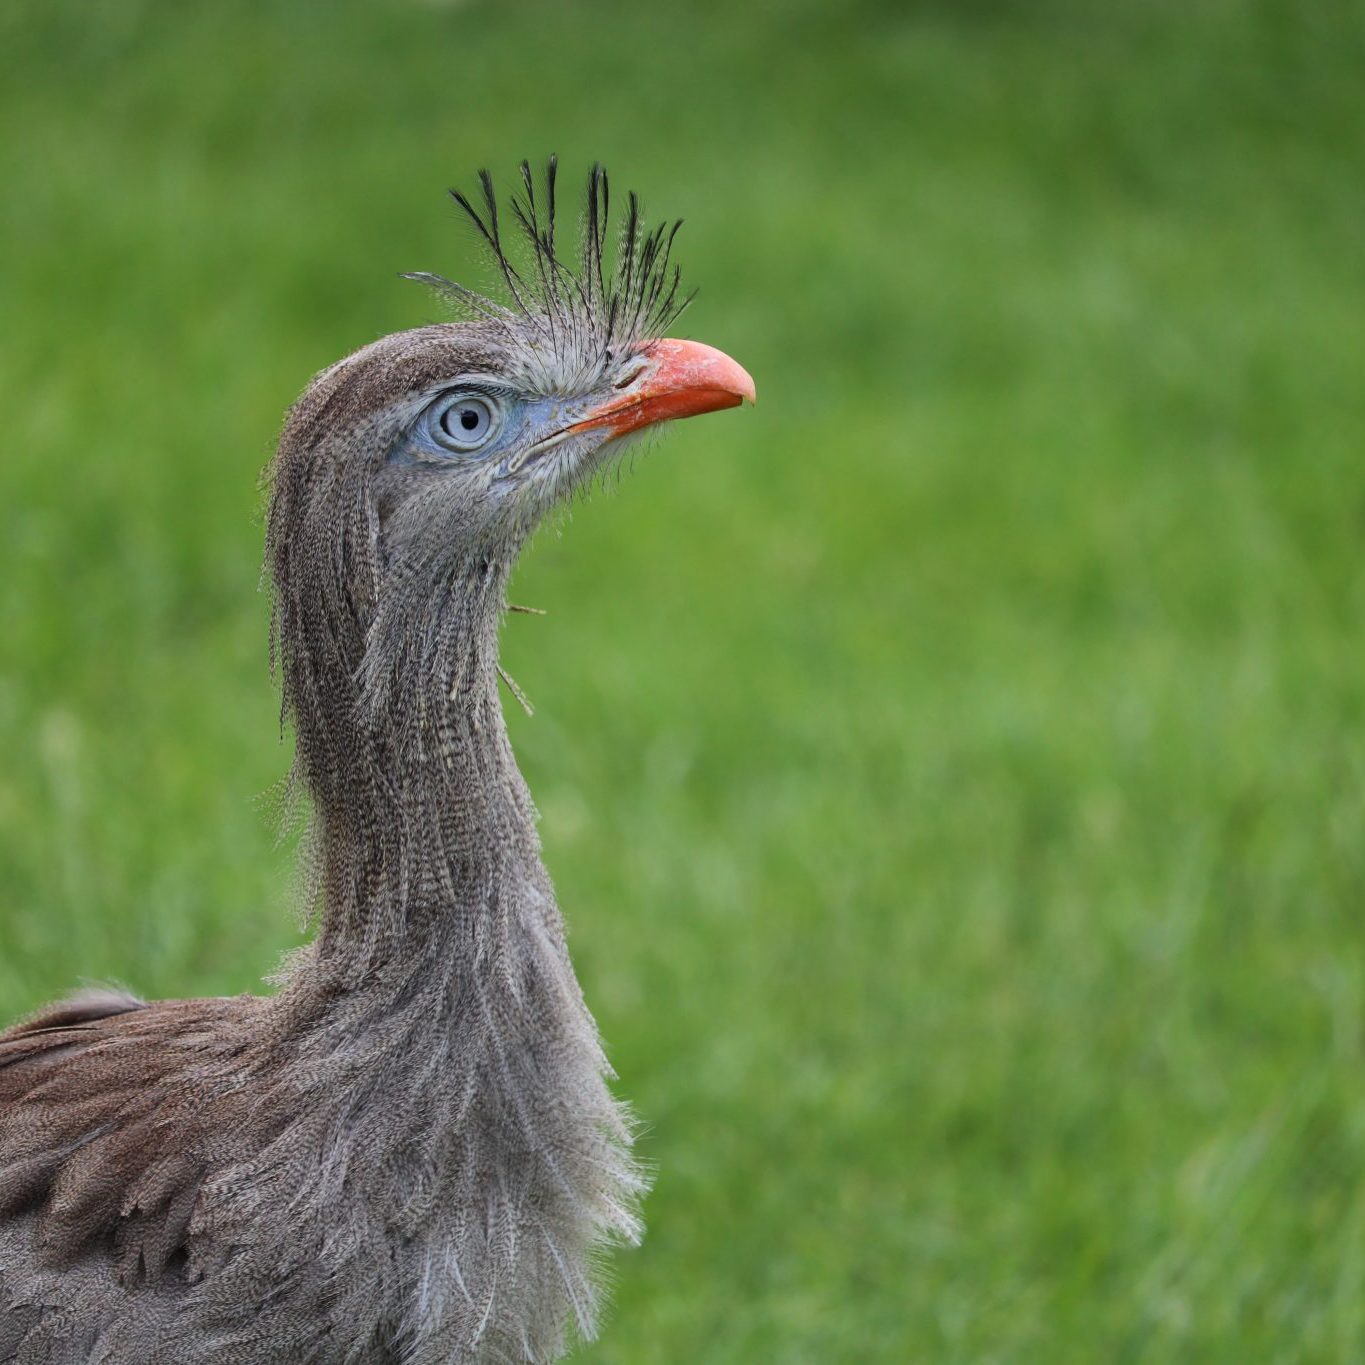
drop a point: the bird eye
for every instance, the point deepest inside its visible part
(465, 421)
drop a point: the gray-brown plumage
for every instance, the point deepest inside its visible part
(407, 1153)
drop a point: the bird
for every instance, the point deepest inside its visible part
(406, 1149)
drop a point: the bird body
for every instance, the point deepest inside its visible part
(408, 1152)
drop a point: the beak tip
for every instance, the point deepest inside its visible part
(707, 367)
(741, 383)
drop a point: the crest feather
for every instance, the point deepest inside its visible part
(608, 303)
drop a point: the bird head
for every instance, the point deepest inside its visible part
(491, 428)
(410, 473)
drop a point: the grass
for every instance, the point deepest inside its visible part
(951, 769)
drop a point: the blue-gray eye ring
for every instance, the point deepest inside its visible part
(465, 421)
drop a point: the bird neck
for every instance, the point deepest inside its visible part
(422, 818)
(454, 1075)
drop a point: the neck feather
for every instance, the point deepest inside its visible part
(421, 814)
(438, 1008)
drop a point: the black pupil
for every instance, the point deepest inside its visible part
(469, 418)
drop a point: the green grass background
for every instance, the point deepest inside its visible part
(952, 769)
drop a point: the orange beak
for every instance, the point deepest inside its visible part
(680, 379)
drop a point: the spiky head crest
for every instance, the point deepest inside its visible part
(577, 318)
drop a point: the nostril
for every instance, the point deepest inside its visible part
(627, 380)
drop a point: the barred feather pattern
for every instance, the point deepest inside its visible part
(409, 1152)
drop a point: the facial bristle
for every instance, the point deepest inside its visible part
(607, 304)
